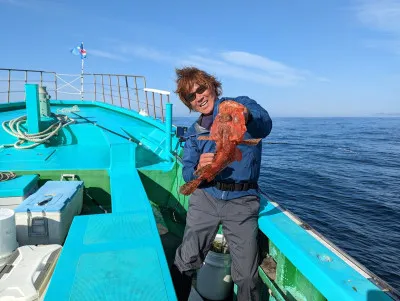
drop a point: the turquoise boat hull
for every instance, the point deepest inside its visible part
(131, 167)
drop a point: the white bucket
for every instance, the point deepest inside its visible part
(8, 236)
(214, 279)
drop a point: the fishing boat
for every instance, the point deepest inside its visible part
(115, 136)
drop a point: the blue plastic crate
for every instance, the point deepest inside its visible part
(53, 196)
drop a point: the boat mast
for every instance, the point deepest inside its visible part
(82, 65)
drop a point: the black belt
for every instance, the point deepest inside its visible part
(235, 186)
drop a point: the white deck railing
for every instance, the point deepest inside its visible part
(128, 91)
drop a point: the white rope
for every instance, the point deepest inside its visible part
(6, 175)
(13, 127)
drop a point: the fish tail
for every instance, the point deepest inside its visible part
(189, 187)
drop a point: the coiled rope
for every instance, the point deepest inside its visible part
(13, 127)
(6, 175)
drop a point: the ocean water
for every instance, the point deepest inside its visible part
(342, 177)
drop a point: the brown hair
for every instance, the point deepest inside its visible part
(188, 76)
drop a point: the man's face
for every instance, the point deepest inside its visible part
(203, 99)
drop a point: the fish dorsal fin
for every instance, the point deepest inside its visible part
(204, 138)
(251, 141)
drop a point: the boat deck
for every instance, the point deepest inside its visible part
(84, 145)
(114, 256)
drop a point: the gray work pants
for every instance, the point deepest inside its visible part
(239, 219)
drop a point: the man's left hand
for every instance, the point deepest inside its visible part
(246, 114)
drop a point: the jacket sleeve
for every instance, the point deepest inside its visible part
(260, 124)
(191, 157)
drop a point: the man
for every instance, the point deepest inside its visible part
(232, 199)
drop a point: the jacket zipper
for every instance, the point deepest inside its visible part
(223, 195)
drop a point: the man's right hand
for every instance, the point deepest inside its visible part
(205, 159)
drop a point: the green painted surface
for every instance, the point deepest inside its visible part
(162, 187)
(290, 283)
(97, 183)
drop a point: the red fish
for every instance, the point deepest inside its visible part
(227, 131)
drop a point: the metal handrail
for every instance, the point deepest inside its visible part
(124, 90)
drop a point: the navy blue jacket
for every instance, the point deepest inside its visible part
(246, 170)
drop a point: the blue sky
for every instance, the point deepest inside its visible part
(296, 58)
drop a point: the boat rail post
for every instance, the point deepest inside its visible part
(9, 86)
(32, 107)
(168, 127)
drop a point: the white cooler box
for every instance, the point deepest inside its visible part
(13, 192)
(45, 216)
(27, 272)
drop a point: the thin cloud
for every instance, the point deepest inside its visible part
(107, 55)
(236, 64)
(323, 79)
(145, 52)
(268, 67)
(382, 15)
(225, 65)
(392, 45)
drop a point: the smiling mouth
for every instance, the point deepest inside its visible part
(203, 103)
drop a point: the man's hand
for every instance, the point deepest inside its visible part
(246, 114)
(205, 159)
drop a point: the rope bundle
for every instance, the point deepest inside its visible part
(6, 175)
(13, 127)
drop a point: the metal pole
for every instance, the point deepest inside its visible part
(154, 106)
(41, 78)
(168, 128)
(82, 78)
(55, 84)
(26, 81)
(147, 103)
(119, 91)
(112, 99)
(95, 96)
(102, 85)
(137, 97)
(162, 108)
(127, 91)
(9, 85)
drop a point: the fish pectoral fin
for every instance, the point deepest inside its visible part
(204, 138)
(238, 155)
(251, 141)
(200, 171)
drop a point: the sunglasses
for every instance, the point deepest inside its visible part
(192, 96)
